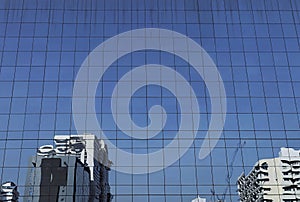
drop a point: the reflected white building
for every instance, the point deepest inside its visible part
(198, 199)
(276, 179)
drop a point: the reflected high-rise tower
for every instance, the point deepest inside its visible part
(76, 169)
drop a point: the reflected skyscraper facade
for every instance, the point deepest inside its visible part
(254, 45)
(75, 170)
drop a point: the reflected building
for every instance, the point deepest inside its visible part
(276, 179)
(9, 192)
(76, 169)
(198, 199)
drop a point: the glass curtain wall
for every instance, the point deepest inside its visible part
(254, 46)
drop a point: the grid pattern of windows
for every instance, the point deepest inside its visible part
(254, 44)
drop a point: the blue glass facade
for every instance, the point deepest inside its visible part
(254, 45)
